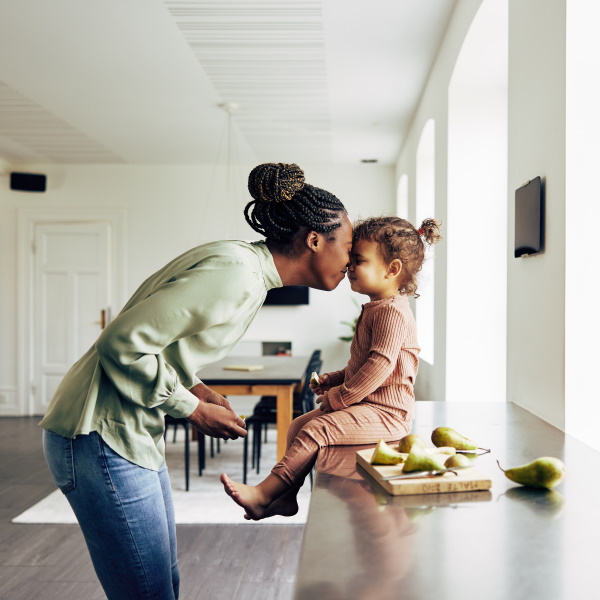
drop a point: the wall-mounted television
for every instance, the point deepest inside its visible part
(288, 295)
(529, 218)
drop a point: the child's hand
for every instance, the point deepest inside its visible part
(323, 386)
(324, 402)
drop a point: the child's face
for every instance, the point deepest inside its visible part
(368, 272)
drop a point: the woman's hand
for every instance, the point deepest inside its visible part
(217, 421)
(204, 393)
(324, 402)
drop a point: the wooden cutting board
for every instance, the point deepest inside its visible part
(466, 480)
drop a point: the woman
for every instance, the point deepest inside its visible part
(103, 431)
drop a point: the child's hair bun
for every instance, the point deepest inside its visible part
(275, 182)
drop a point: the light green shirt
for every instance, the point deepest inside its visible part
(187, 315)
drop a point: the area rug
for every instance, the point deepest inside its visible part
(205, 502)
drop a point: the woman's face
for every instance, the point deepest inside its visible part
(332, 256)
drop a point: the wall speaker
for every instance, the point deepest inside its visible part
(27, 182)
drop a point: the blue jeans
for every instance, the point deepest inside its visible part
(125, 513)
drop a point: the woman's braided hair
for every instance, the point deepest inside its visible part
(283, 205)
(397, 238)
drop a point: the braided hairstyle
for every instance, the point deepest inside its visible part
(283, 206)
(397, 238)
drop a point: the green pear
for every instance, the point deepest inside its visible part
(408, 441)
(385, 455)
(457, 460)
(446, 436)
(314, 379)
(420, 460)
(544, 472)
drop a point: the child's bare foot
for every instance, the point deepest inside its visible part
(248, 497)
(286, 505)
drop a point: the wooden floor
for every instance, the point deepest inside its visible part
(217, 562)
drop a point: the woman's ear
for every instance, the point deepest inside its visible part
(394, 268)
(312, 240)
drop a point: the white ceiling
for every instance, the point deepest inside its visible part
(140, 81)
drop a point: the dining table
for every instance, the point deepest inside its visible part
(509, 542)
(274, 376)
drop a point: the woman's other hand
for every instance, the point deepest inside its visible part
(217, 421)
(324, 402)
(204, 393)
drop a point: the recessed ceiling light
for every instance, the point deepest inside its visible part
(368, 160)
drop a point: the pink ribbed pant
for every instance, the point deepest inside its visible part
(357, 424)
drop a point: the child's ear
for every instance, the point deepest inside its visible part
(394, 268)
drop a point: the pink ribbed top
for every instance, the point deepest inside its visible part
(383, 360)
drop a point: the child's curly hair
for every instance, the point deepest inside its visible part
(397, 238)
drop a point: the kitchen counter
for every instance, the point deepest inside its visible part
(508, 543)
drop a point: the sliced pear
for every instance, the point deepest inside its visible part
(408, 441)
(314, 379)
(457, 460)
(385, 455)
(419, 459)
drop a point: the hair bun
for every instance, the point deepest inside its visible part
(275, 182)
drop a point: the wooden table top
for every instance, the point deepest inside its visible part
(509, 543)
(279, 370)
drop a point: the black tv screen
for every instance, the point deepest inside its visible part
(288, 295)
(529, 220)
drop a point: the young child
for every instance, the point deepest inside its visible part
(372, 398)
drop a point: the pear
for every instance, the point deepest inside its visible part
(443, 450)
(385, 455)
(457, 460)
(544, 472)
(446, 436)
(314, 379)
(420, 460)
(408, 441)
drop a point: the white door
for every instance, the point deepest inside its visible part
(71, 299)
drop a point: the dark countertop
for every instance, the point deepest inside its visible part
(511, 543)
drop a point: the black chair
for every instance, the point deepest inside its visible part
(265, 413)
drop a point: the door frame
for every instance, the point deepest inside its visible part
(27, 220)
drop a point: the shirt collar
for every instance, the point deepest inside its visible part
(272, 279)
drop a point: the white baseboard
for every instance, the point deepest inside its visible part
(9, 404)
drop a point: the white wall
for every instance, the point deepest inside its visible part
(536, 146)
(582, 327)
(434, 105)
(167, 213)
(477, 211)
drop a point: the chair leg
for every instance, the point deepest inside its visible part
(174, 431)
(187, 457)
(201, 452)
(245, 477)
(258, 448)
(212, 447)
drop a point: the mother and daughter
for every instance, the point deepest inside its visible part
(103, 430)
(372, 398)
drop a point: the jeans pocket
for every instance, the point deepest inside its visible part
(58, 451)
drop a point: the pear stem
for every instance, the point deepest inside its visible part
(500, 466)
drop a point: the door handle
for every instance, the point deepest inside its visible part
(102, 321)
